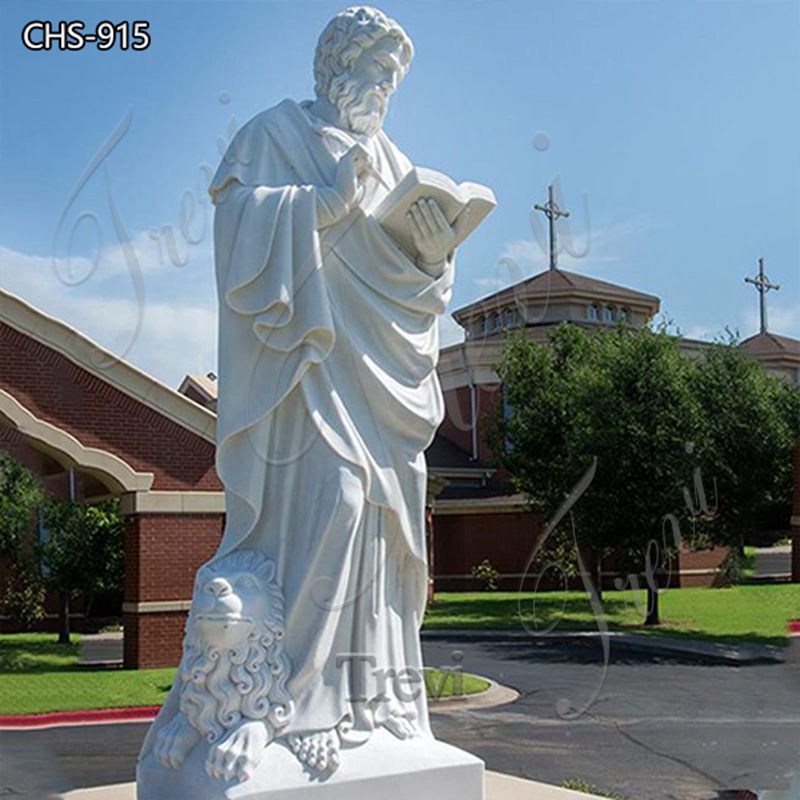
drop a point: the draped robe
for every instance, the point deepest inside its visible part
(328, 397)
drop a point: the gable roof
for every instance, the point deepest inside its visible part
(103, 364)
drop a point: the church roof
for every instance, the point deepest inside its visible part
(560, 283)
(105, 365)
(766, 343)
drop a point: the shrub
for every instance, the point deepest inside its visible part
(487, 575)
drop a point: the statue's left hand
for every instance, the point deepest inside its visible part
(239, 753)
(434, 238)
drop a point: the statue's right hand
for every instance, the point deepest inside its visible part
(350, 173)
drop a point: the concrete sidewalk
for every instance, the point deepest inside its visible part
(101, 649)
(656, 645)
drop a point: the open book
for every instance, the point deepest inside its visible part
(453, 198)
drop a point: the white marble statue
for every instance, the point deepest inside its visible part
(304, 629)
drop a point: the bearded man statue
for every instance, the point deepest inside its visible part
(328, 398)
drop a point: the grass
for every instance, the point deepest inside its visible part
(441, 685)
(580, 785)
(755, 614)
(37, 675)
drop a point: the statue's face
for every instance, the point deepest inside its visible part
(363, 97)
(228, 608)
(379, 65)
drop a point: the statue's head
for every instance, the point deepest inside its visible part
(233, 663)
(362, 55)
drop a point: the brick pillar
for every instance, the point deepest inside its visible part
(796, 515)
(162, 554)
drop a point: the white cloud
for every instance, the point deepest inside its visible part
(783, 317)
(178, 320)
(582, 250)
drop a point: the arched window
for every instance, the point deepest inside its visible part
(510, 317)
(608, 314)
(484, 326)
(624, 314)
(591, 312)
(496, 324)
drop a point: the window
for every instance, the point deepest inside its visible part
(484, 326)
(510, 318)
(591, 312)
(496, 323)
(608, 314)
(624, 314)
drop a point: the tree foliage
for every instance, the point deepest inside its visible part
(20, 496)
(82, 553)
(663, 427)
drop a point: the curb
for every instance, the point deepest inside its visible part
(92, 717)
(701, 652)
(496, 695)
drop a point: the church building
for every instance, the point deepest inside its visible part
(93, 426)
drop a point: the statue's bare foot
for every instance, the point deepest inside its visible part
(319, 750)
(400, 724)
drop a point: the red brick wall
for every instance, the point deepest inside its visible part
(461, 541)
(55, 389)
(153, 640)
(162, 554)
(457, 423)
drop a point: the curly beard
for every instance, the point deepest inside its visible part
(362, 106)
(221, 686)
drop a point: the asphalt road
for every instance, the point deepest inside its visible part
(654, 729)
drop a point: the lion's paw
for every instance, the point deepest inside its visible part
(174, 741)
(320, 750)
(239, 753)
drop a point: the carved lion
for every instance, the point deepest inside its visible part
(233, 672)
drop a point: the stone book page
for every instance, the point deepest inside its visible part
(453, 198)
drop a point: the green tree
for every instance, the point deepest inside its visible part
(623, 397)
(21, 494)
(82, 552)
(751, 422)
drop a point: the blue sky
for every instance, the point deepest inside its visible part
(676, 123)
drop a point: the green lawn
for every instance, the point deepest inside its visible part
(38, 675)
(741, 614)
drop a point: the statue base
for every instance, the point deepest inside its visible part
(383, 768)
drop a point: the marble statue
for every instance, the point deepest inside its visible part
(302, 662)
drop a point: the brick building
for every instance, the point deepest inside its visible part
(93, 426)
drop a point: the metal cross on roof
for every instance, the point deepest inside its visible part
(552, 212)
(761, 282)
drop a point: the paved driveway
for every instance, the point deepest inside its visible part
(657, 729)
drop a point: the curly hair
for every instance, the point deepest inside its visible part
(222, 686)
(347, 35)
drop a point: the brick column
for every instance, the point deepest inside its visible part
(796, 515)
(163, 551)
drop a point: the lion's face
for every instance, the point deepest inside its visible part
(228, 609)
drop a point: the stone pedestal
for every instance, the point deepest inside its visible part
(383, 768)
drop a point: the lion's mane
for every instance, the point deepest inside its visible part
(221, 686)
